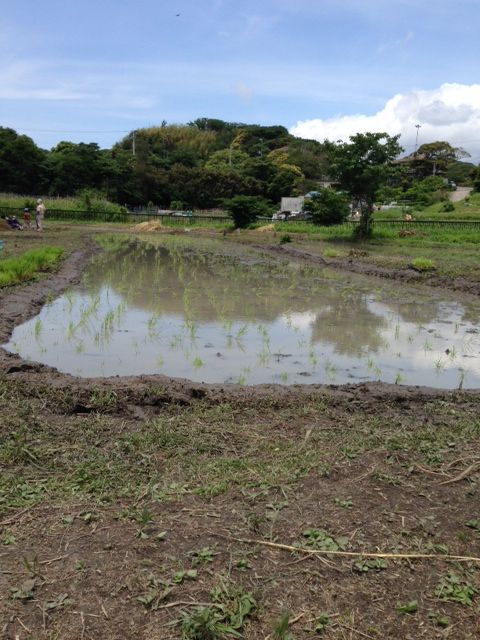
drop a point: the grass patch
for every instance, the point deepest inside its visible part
(16, 270)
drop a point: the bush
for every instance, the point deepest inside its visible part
(246, 209)
(327, 208)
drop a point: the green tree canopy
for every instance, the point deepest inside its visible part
(435, 157)
(22, 163)
(74, 167)
(360, 167)
(327, 207)
(246, 209)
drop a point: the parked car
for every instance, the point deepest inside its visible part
(392, 205)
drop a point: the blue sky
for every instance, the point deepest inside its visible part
(95, 70)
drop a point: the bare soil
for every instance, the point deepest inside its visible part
(149, 507)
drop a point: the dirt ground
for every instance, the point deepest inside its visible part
(152, 508)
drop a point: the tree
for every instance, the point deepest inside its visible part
(475, 175)
(360, 167)
(246, 209)
(436, 157)
(426, 192)
(460, 172)
(22, 163)
(74, 167)
(327, 207)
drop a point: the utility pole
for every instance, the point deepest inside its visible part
(133, 143)
(417, 127)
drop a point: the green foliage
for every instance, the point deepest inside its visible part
(460, 172)
(75, 167)
(246, 209)
(22, 163)
(281, 627)
(410, 607)
(423, 264)
(14, 270)
(327, 208)
(323, 541)
(456, 588)
(360, 167)
(426, 192)
(286, 238)
(230, 610)
(437, 157)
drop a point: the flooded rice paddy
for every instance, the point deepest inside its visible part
(216, 313)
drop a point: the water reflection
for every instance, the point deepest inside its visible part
(199, 310)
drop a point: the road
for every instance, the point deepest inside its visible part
(460, 193)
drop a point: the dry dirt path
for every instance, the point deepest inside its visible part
(460, 193)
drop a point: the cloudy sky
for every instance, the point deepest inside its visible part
(95, 70)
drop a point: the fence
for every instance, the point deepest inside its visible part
(423, 224)
(184, 220)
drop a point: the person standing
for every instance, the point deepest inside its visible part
(26, 219)
(40, 213)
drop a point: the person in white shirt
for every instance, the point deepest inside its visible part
(40, 213)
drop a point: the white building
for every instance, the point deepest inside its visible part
(292, 204)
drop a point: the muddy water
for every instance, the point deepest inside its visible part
(203, 311)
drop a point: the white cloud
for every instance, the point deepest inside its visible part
(450, 113)
(243, 90)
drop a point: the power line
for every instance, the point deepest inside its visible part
(69, 131)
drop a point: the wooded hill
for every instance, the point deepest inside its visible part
(197, 165)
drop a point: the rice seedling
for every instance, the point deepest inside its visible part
(469, 343)
(385, 345)
(330, 253)
(264, 358)
(452, 353)
(427, 346)
(192, 328)
(198, 362)
(135, 347)
(37, 328)
(241, 332)
(175, 342)
(423, 264)
(153, 330)
(329, 367)
(440, 365)
(107, 325)
(70, 298)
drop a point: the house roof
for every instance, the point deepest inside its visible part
(414, 157)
